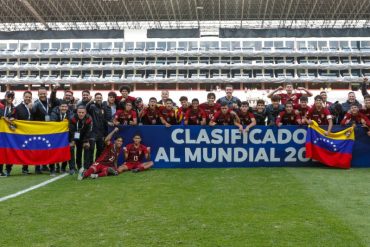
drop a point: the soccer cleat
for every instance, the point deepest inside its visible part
(25, 172)
(135, 170)
(72, 171)
(2, 174)
(112, 172)
(52, 174)
(94, 176)
(81, 173)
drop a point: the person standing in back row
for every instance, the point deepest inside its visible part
(232, 102)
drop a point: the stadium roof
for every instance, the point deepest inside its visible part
(18, 15)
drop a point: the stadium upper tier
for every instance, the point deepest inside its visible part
(185, 60)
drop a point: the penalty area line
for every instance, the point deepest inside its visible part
(32, 188)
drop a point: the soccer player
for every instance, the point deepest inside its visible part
(167, 114)
(150, 114)
(135, 153)
(366, 109)
(232, 101)
(194, 115)
(125, 97)
(226, 116)
(125, 117)
(354, 116)
(260, 112)
(288, 116)
(273, 110)
(210, 107)
(325, 101)
(106, 163)
(346, 106)
(302, 108)
(80, 128)
(320, 114)
(246, 116)
(289, 95)
(8, 113)
(181, 111)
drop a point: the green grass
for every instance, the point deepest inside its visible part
(192, 207)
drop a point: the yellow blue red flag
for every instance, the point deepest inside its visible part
(34, 143)
(333, 150)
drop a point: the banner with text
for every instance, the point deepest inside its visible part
(225, 146)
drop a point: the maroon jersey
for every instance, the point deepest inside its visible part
(150, 116)
(210, 110)
(320, 116)
(224, 119)
(350, 118)
(245, 117)
(195, 116)
(168, 115)
(366, 112)
(288, 118)
(119, 98)
(302, 111)
(136, 154)
(180, 114)
(294, 98)
(125, 117)
(109, 156)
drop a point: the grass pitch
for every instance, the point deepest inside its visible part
(191, 207)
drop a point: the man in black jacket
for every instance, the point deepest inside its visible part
(59, 114)
(100, 115)
(23, 112)
(80, 131)
(41, 111)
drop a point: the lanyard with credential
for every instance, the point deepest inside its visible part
(47, 106)
(28, 110)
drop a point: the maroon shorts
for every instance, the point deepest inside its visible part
(102, 168)
(134, 165)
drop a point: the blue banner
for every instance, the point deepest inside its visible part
(225, 146)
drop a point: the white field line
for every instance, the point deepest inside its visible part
(32, 188)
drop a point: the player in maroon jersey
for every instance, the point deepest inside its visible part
(288, 116)
(181, 111)
(106, 163)
(289, 95)
(167, 114)
(366, 109)
(125, 97)
(246, 116)
(320, 114)
(194, 115)
(135, 153)
(226, 116)
(354, 116)
(150, 114)
(325, 101)
(302, 108)
(210, 107)
(126, 116)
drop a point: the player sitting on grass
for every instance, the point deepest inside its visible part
(106, 164)
(134, 156)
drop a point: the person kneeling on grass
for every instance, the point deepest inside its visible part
(106, 164)
(134, 156)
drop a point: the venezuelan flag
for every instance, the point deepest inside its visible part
(34, 143)
(333, 150)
